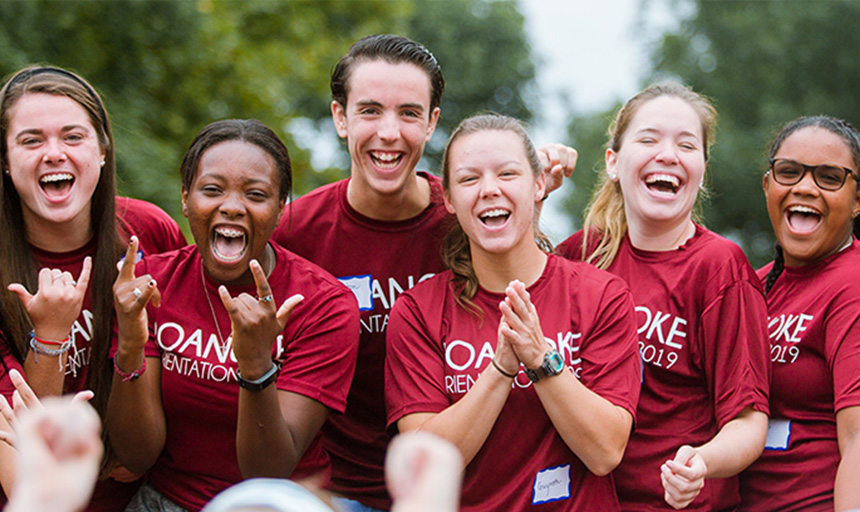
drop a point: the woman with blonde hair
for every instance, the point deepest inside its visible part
(700, 312)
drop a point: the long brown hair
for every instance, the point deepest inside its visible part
(456, 251)
(17, 260)
(606, 209)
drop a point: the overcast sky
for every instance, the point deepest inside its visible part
(589, 56)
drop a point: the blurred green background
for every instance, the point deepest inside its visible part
(167, 68)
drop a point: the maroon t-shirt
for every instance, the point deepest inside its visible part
(157, 232)
(199, 387)
(814, 328)
(378, 261)
(437, 350)
(701, 319)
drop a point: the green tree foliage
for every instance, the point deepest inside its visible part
(763, 63)
(166, 68)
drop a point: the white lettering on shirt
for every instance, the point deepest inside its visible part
(368, 290)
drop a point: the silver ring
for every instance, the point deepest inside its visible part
(73, 282)
(267, 298)
(136, 292)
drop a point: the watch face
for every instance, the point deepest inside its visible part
(556, 362)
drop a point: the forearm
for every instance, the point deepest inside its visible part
(846, 492)
(595, 429)
(265, 445)
(135, 415)
(468, 422)
(737, 445)
(8, 466)
(47, 376)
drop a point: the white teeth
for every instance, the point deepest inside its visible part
(498, 212)
(654, 178)
(386, 157)
(802, 209)
(229, 233)
(386, 160)
(50, 178)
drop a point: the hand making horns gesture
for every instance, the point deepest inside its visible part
(130, 296)
(256, 323)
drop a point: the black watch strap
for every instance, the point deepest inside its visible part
(553, 364)
(261, 383)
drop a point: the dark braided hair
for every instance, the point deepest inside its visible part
(842, 129)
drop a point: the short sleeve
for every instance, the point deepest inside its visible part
(611, 365)
(842, 349)
(735, 350)
(414, 364)
(321, 347)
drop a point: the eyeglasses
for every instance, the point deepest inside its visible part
(827, 177)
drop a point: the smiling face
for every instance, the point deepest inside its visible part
(810, 223)
(386, 121)
(54, 160)
(492, 190)
(660, 164)
(232, 208)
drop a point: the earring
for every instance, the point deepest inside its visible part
(7, 172)
(612, 176)
(102, 163)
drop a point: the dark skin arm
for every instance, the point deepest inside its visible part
(274, 427)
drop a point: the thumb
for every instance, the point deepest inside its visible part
(684, 455)
(22, 293)
(287, 307)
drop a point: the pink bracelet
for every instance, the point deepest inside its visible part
(128, 377)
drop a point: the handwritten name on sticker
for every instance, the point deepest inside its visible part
(362, 287)
(551, 484)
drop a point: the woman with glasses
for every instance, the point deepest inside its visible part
(812, 457)
(700, 312)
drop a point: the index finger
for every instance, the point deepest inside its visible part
(84, 278)
(126, 269)
(263, 288)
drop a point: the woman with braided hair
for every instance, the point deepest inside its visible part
(811, 459)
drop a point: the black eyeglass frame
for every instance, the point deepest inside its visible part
(812, 169)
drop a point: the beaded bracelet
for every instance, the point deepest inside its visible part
(40, 346)
(127, 377)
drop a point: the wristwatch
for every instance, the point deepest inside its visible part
(261, 383)
(553, 364)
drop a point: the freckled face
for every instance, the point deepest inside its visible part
(492, 190)
(54, 159)
(810, 223)
(232, 209)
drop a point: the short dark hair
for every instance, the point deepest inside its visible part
(390, 48)
(840, 128)
(244, 130)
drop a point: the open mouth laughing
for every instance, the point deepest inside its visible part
(495, 217)
(385, 160)
(802, 219)
(57, 185)
(663, 184)
(229, 244)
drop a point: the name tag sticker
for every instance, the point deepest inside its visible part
(362, 287)
(552, 484)
(778, 434)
